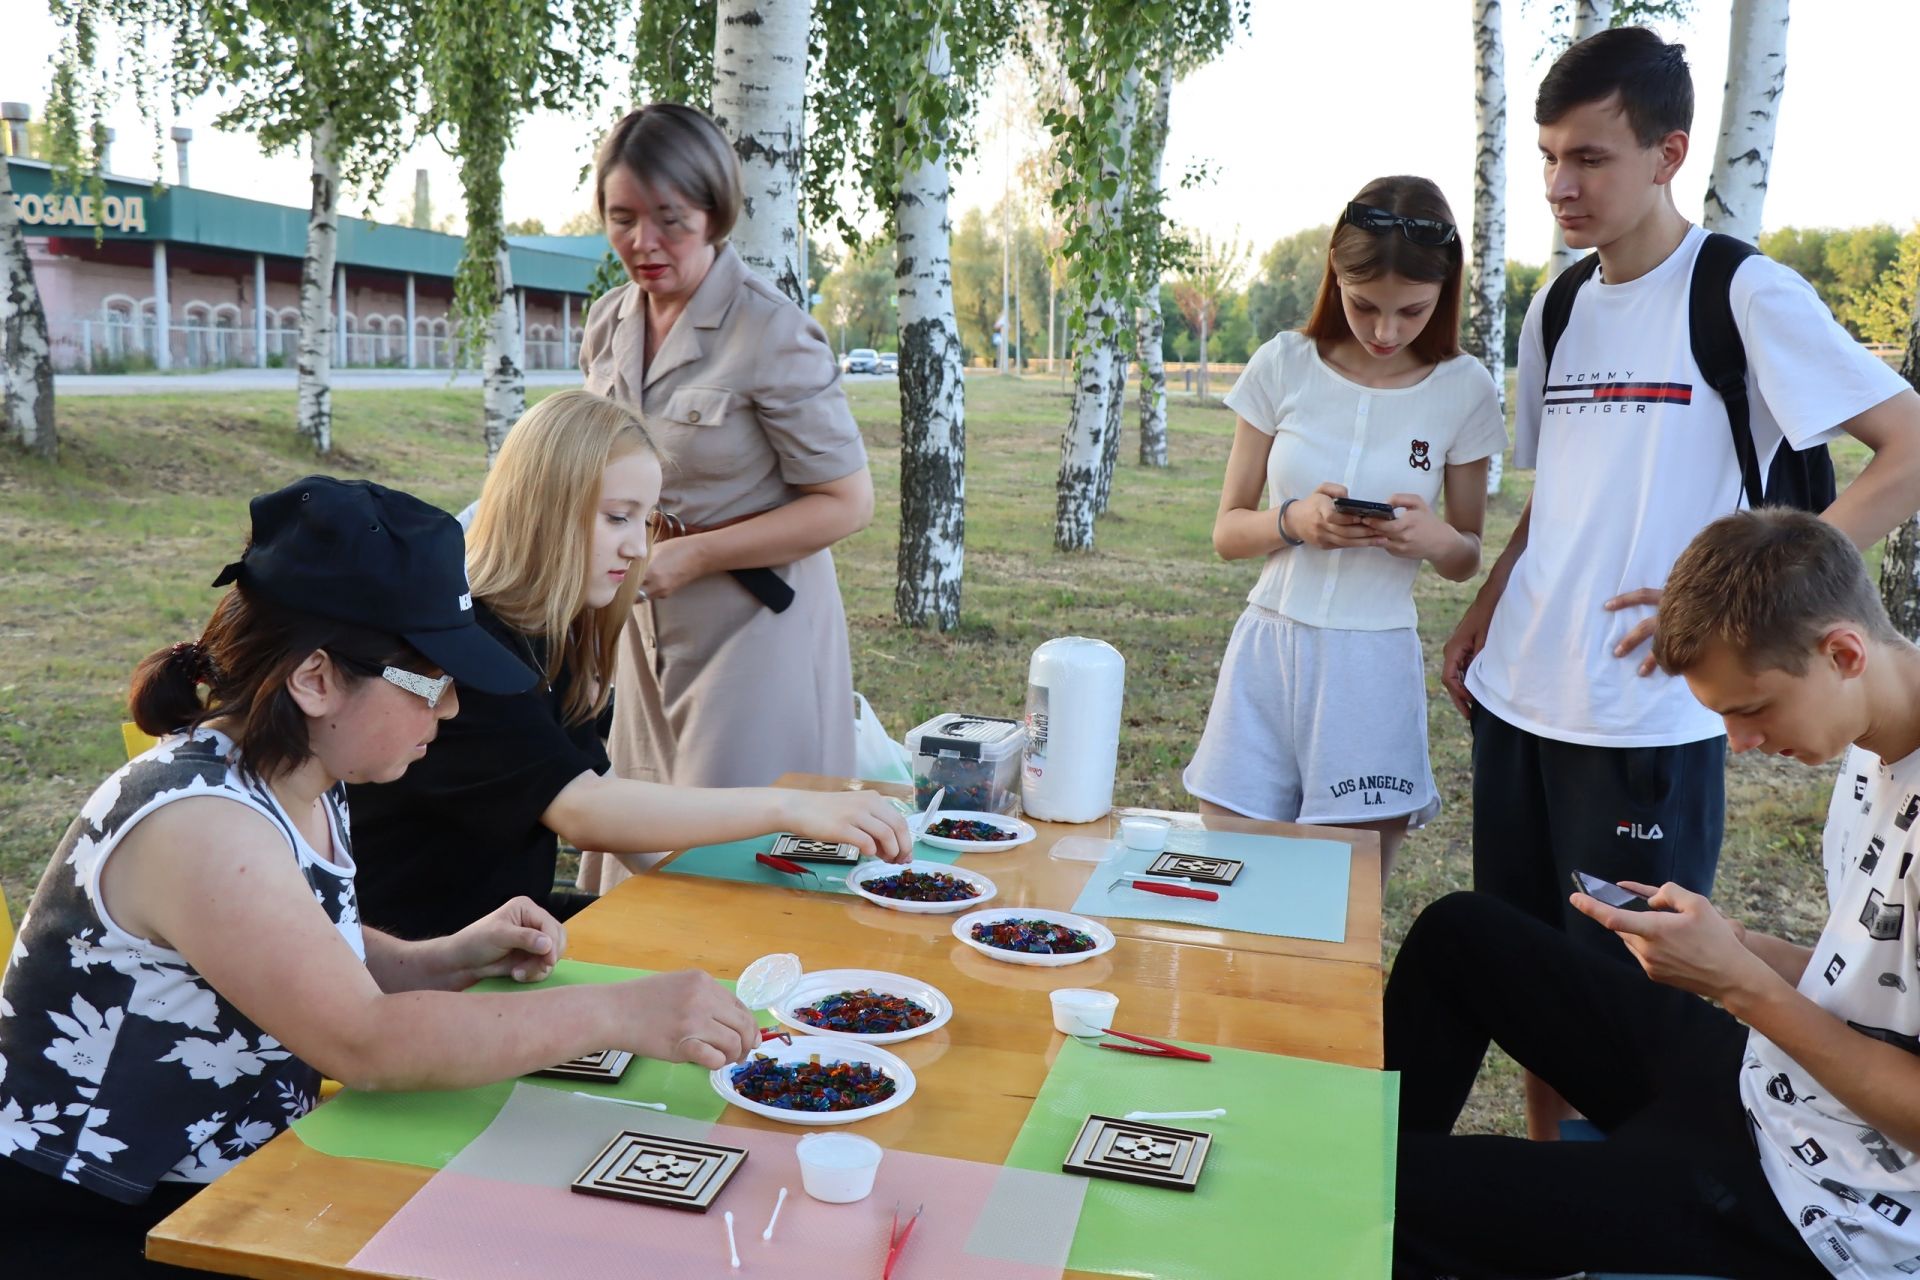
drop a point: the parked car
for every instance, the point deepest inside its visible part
(859, 360)
(888, 362)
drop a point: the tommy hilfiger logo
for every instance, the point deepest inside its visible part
(1634, 831)
(1612, 392)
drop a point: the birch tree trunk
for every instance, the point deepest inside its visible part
(1116, 411)
(1487, 307)
(314, 411)
(1151, 326)
(933, 424)
(759, 97)
(503, 380)
(26, 353)
(1900, 565)
(1590, 17)
(1083, 446)
(1756, 77)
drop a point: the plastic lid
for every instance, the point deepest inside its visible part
(767, 979)
(967, 734)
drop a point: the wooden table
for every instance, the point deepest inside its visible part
(289, 1211)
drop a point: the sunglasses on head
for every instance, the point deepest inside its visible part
(1430, 232)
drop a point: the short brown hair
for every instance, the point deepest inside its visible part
(244, 657)
(1650, 75)
(1361, 255)
(667, 145)
(1767, 584)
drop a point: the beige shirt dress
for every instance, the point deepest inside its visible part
(714, 689)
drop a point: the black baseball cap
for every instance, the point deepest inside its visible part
(361, 553)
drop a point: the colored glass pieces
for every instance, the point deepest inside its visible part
(812, 1085)
(865, 1012)
(922, 886)
(1041, 937)
(969, 829)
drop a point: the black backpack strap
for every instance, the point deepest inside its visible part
(1558, 308)
(1718, 351)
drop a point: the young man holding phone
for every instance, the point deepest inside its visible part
(1761, 1098)
(1584, 756)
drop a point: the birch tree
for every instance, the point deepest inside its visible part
(759, 100)
(1212, 272)
(26, 371)
(486, 65)
(1900, 563)
(340, 81)
(1150, 326)
(1749, 111)
(1487, 306)
(898, 91)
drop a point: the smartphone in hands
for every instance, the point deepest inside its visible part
(1610, 893)
(1364, 509)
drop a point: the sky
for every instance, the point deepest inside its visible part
(1290, 121)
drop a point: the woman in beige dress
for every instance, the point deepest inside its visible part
(736, 669)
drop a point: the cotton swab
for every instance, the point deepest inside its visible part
(1214, 1114)
(731, 1249)
(768, 1233)
(625, 1102)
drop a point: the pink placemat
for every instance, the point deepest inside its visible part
(501, 1209)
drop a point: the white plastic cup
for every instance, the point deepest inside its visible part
(1144, 835)
(1080, 1012)
(838, 1168)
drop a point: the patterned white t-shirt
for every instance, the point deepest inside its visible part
(1854, 1193)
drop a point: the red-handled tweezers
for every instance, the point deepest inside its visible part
(1170, 890)
(786, 865)
(1159, 1049)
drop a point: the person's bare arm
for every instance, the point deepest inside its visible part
(623, 815)
(1470, 636)
(1888, 491)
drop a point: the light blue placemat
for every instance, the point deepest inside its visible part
(735, 861)
(1288, 888)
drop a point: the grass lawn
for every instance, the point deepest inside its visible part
(108, 555)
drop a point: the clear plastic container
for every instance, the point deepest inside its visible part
(976, 758)
(838, 1168)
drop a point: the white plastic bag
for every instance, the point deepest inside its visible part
(876, 756)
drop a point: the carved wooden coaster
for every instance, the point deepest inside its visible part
(603, 1066)
(801, 849)
(1130, 1151)
(665, 1171)
(1194, 866)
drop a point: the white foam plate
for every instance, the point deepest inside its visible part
(818, 986)
(876, 870)
(1102, 936)
(1022, 832)
(830, 1050)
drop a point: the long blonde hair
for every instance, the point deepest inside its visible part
(528, 549)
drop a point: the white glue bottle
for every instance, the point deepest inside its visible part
(1074, 690)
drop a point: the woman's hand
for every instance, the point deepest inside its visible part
(1315, 521)
(687, 1017)
(1416, 533)
(671, 565)
(519, 940)
(860, 818)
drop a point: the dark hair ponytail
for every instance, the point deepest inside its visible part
(244, 658)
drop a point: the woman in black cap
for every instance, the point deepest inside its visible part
(193, 959)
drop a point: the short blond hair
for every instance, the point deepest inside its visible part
(668, 145)
(1766, 584)
(528, 549)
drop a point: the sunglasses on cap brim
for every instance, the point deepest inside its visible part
(1430, 232)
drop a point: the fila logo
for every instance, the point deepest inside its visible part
(1634, 831)
(466, 602)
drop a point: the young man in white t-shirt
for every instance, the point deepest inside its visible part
(1770, 1128)
(1584, 755)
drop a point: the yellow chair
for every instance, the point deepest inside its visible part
(137, 742)
(6, 932)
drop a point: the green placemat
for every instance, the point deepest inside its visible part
(431, 1127)
(1299, 1180)
(734, 861)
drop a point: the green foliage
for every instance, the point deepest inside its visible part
(977, 256)
(1843, 266)
(857, 299)
(608, 275)
(672, 53)
(1885, 311)
(1523, 281)
(1282, 293)
(486, 64)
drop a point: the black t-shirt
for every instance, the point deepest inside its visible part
(459, 833)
